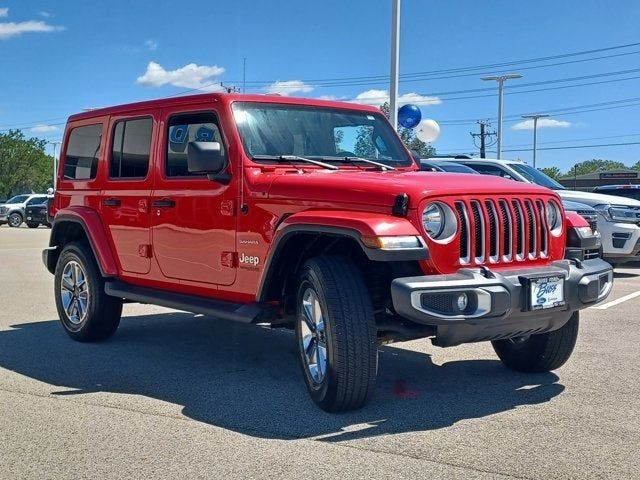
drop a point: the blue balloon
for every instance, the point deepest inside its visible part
(409, 116)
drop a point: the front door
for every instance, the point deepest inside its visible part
(127, 193)
(193, 218)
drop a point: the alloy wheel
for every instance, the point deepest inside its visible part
(314, 342)
(74, 292)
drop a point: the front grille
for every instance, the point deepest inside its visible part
(591, 217)
(499, 230)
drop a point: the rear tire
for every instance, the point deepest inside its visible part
(539, 353)
(87, 313)
(33, 225)
(336, 334)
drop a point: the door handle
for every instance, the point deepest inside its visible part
(111, 202)
(164, 203)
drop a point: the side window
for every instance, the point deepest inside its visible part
(198, 127)
(487, 169)
(36, 200)
(81, 159)
(130, 148)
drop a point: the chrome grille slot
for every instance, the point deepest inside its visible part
(479, 230)
(507, 235)
(519, 224)
(544, 239)
(465, 246)
(532, 229)
(494, 238)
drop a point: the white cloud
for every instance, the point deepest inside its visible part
(378, 97)
(289, 87)
(542, 123)
(327, 97)
(44, 129)
(44, 14)
(151, 45)
(189, 76)
(12, 29)
(4, 12)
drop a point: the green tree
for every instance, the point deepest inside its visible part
(595, 165)
(24, 165)
(553, 172)
(408, 136)
(636, 166)
(364, 146)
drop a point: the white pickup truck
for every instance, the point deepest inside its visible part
(618, 217)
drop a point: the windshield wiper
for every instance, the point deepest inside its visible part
(293, 158)
(363, 160)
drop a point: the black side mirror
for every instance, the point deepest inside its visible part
(206, 157)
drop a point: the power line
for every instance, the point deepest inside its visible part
(469, 68)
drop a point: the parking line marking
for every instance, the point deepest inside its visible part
(618, 301)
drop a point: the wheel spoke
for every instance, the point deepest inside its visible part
(317, 311)
(71, 306)
(321, 353)
(311, 348)
(67, 284)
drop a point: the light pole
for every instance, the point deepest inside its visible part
(535, 131)
(501, 79)
(55, 165)
(395, 58)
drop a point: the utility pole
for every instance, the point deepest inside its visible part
(501, 79)
(55, 165)
(395, 59)
(244, 74)
(535, 131)
(483, 137)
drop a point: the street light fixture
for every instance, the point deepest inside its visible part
(535, 131)
(501, 79)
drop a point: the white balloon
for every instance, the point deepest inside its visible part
(428, 130)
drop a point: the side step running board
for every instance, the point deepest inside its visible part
(244, 313)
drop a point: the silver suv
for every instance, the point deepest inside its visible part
(12, 211)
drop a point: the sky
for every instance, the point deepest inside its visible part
(58, 58)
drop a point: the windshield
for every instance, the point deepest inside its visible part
(457, 168)
(318, 133)
(536, 176)
(18, 199)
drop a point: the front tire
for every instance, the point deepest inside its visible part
(87, 313)
(14, 220)
(33, 225)
(539, 353)
(336, 334)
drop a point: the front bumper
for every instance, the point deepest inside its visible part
(620, 241)
(499, 300)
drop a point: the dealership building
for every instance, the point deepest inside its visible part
(587, 182)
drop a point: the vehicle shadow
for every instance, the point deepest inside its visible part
(621, 274)
(247, 379)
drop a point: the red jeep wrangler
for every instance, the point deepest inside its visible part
(309, 214)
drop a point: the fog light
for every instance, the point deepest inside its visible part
(462, 301)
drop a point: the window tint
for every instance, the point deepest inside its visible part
(17, 199)
(36, 200)
(81, 160)
(489, 170)
(130, 149)
(201, 127)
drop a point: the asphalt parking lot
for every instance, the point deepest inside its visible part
(176, 395)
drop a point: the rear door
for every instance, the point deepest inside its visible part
(194, 218)
(125, 200)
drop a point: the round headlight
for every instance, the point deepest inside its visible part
(553, 216)
(433, 220)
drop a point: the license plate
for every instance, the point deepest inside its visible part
(28, 218)
(546, 292)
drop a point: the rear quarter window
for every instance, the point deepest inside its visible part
(83, 148)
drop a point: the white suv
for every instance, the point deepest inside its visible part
(618, 217)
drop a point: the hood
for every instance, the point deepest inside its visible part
(381, 188)
(592, 199)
